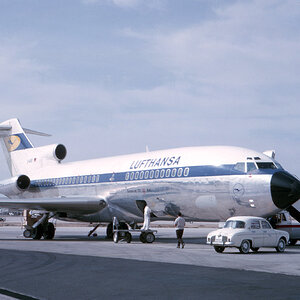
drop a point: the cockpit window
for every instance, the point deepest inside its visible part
(251, 166)
(266, 165)
(234, 224)
(239, 167)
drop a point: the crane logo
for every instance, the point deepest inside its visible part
(12, 143)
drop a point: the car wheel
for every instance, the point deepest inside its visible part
(254, 249)
(245, 247)
(219, 249)
(281, 245)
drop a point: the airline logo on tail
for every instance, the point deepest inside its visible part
(17, 142)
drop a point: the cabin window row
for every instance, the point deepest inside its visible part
(155, 174)
(69, 180)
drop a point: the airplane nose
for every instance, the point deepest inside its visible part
(285, 189)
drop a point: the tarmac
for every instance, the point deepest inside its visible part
(74, 266)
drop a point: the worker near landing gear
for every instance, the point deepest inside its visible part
(147, 212)
(179, 224)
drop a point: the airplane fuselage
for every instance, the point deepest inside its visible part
(204, 183)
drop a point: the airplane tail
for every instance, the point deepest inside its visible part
(18, 149)
(13, 140)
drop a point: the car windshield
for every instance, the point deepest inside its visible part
(234, 224)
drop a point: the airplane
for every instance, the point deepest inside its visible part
(209, 183)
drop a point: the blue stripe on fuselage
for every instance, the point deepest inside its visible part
(144, 175)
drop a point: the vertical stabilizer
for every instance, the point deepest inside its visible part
(14, 141)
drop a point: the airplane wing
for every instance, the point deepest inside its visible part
(82, 205)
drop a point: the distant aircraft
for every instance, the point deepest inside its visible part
(203, 183)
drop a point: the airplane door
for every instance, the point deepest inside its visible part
(269, 234)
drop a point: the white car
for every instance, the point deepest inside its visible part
(247, 233)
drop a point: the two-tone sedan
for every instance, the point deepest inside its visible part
(247, 233)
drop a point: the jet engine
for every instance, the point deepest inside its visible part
(56, 151)
(14, 185)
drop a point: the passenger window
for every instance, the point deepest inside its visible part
(142, 175)
(168, 172)
(126, 176)
(186, 171)
(251, 166)
(162, 173)
(240, 167)
(156, 173)
(131, 176)
(173, 174)
(179, 173)
(151, 174)
(136, 175)
(146, 174)
(255, 225)
(265, 225)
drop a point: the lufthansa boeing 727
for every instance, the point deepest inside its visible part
(203, 183)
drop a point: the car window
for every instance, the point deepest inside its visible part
(255, 224)
(265, 225)
(234, 224)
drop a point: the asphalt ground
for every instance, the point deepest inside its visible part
(74, 266)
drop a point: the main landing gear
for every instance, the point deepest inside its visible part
(36, 228)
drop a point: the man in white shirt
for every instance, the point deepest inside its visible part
(179, 224)
(147, 214)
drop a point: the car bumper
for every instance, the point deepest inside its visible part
(223, 244)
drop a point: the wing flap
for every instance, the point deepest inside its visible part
(82, 205)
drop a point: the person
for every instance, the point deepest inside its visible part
(147, 213)
(179, 224)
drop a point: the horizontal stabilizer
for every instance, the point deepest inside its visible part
(81, 205)
(30, 131)
(5, 130)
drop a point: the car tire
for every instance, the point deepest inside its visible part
(245, 247)
(281, 245)
(219, 249)
(254, 249)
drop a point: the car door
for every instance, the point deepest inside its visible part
(270, 238)
(256, 233)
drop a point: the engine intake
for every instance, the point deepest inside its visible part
(60, 152)
(23, 182)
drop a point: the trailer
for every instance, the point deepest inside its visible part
(146, 236)
(284, 221)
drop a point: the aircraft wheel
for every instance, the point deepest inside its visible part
(37, 232)
(219, 249)
(48, 231)
(109, 231)
(281, 245)
(143, 237)
(27, 233)
(128, 237)
(116, 237)
(254, 249)
(245, 247)
(150, 237)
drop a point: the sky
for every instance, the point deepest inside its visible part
(110, 77)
